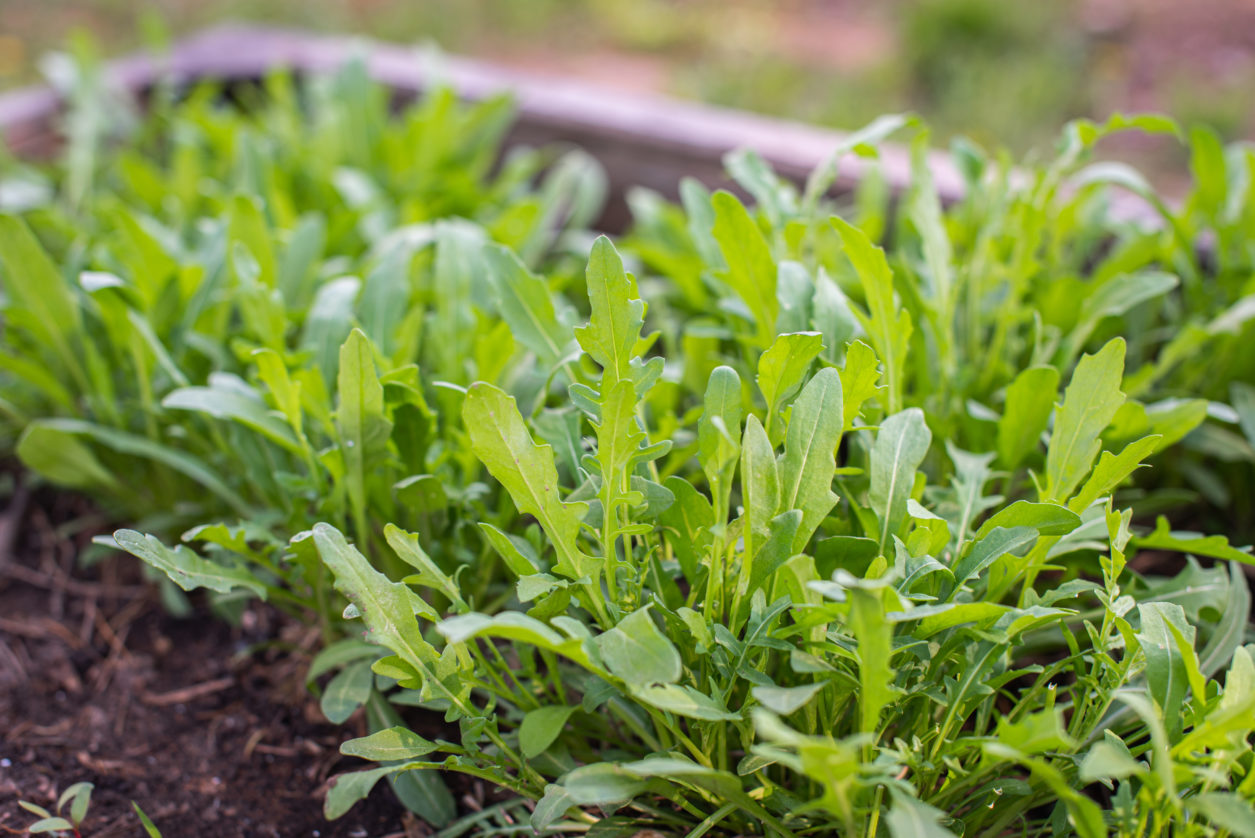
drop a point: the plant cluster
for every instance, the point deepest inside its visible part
(165, 294)
(740, 647)
(829, 536)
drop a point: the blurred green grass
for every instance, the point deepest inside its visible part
(999, 72)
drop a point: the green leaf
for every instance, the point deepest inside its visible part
(874, 636)
(287, 394)
(1166, 669)
(363, 427)
(329, 323)
(786, 700)
(512, 625)
(760, 484)
(541, 727)
(1084, 814)
(614, 326)
(35, 286)
(776, 197)
(406, 546)
(347, 691)
(525, 303)
(81, 795)
(992, 546)
(782, 368)
(520, 565)
(1227, 637)
(385, 299)
(1089, 404)
(751, 269)
(300, 259)
(619, 446)
(1029, 400)
(1112, 469)
(1243, 397)
(339, 654)
(386, 607)
(186, 569)
(347, 789)
(551, 807)
(910, 817)
(1116, 296)
(960, 614)
(638, 653)
(248, 227)
(888, 327)
(223, 403)
(1226, 810)
(146, 822)
(49, 825)
(722, 785)
(925, 214)
(138, 446)
(1212, 546)
(1230, 722)
(719, 783)
(775, 551)
(1035, 732)
(687, 524)
(900, 448)
(683, 700)
(862, 141)
(858, 380)
(1046, 518)
(422, 792)
(389, 745)
(537, 585)
(34, 809)
(601, 784)
(60, 457)
(808, 465)
(1173, 419)
(1109, 759)
(460, 288)
(528, 472)
(721, 416)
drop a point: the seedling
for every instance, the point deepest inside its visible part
(66, 821)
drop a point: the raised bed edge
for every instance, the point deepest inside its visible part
(642, 139)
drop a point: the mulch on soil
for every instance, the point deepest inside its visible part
(99, 683)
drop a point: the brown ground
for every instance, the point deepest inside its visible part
(98, 683)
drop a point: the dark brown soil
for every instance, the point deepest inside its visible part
(206, 726)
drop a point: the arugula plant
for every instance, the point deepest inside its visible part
(976, 310)
(206, 324)
(722, 580)
(148, 268)
(772, 640)
(380, 446)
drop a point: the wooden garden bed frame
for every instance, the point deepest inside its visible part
(642, 140)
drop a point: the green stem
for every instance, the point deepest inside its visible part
(873, 819)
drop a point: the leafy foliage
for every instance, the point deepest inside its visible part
(817, 662)
(244, 319)
(826, 535)
(977, 310)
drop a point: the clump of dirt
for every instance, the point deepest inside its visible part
(206, 726)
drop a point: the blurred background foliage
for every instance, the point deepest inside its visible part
(1000, 72)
